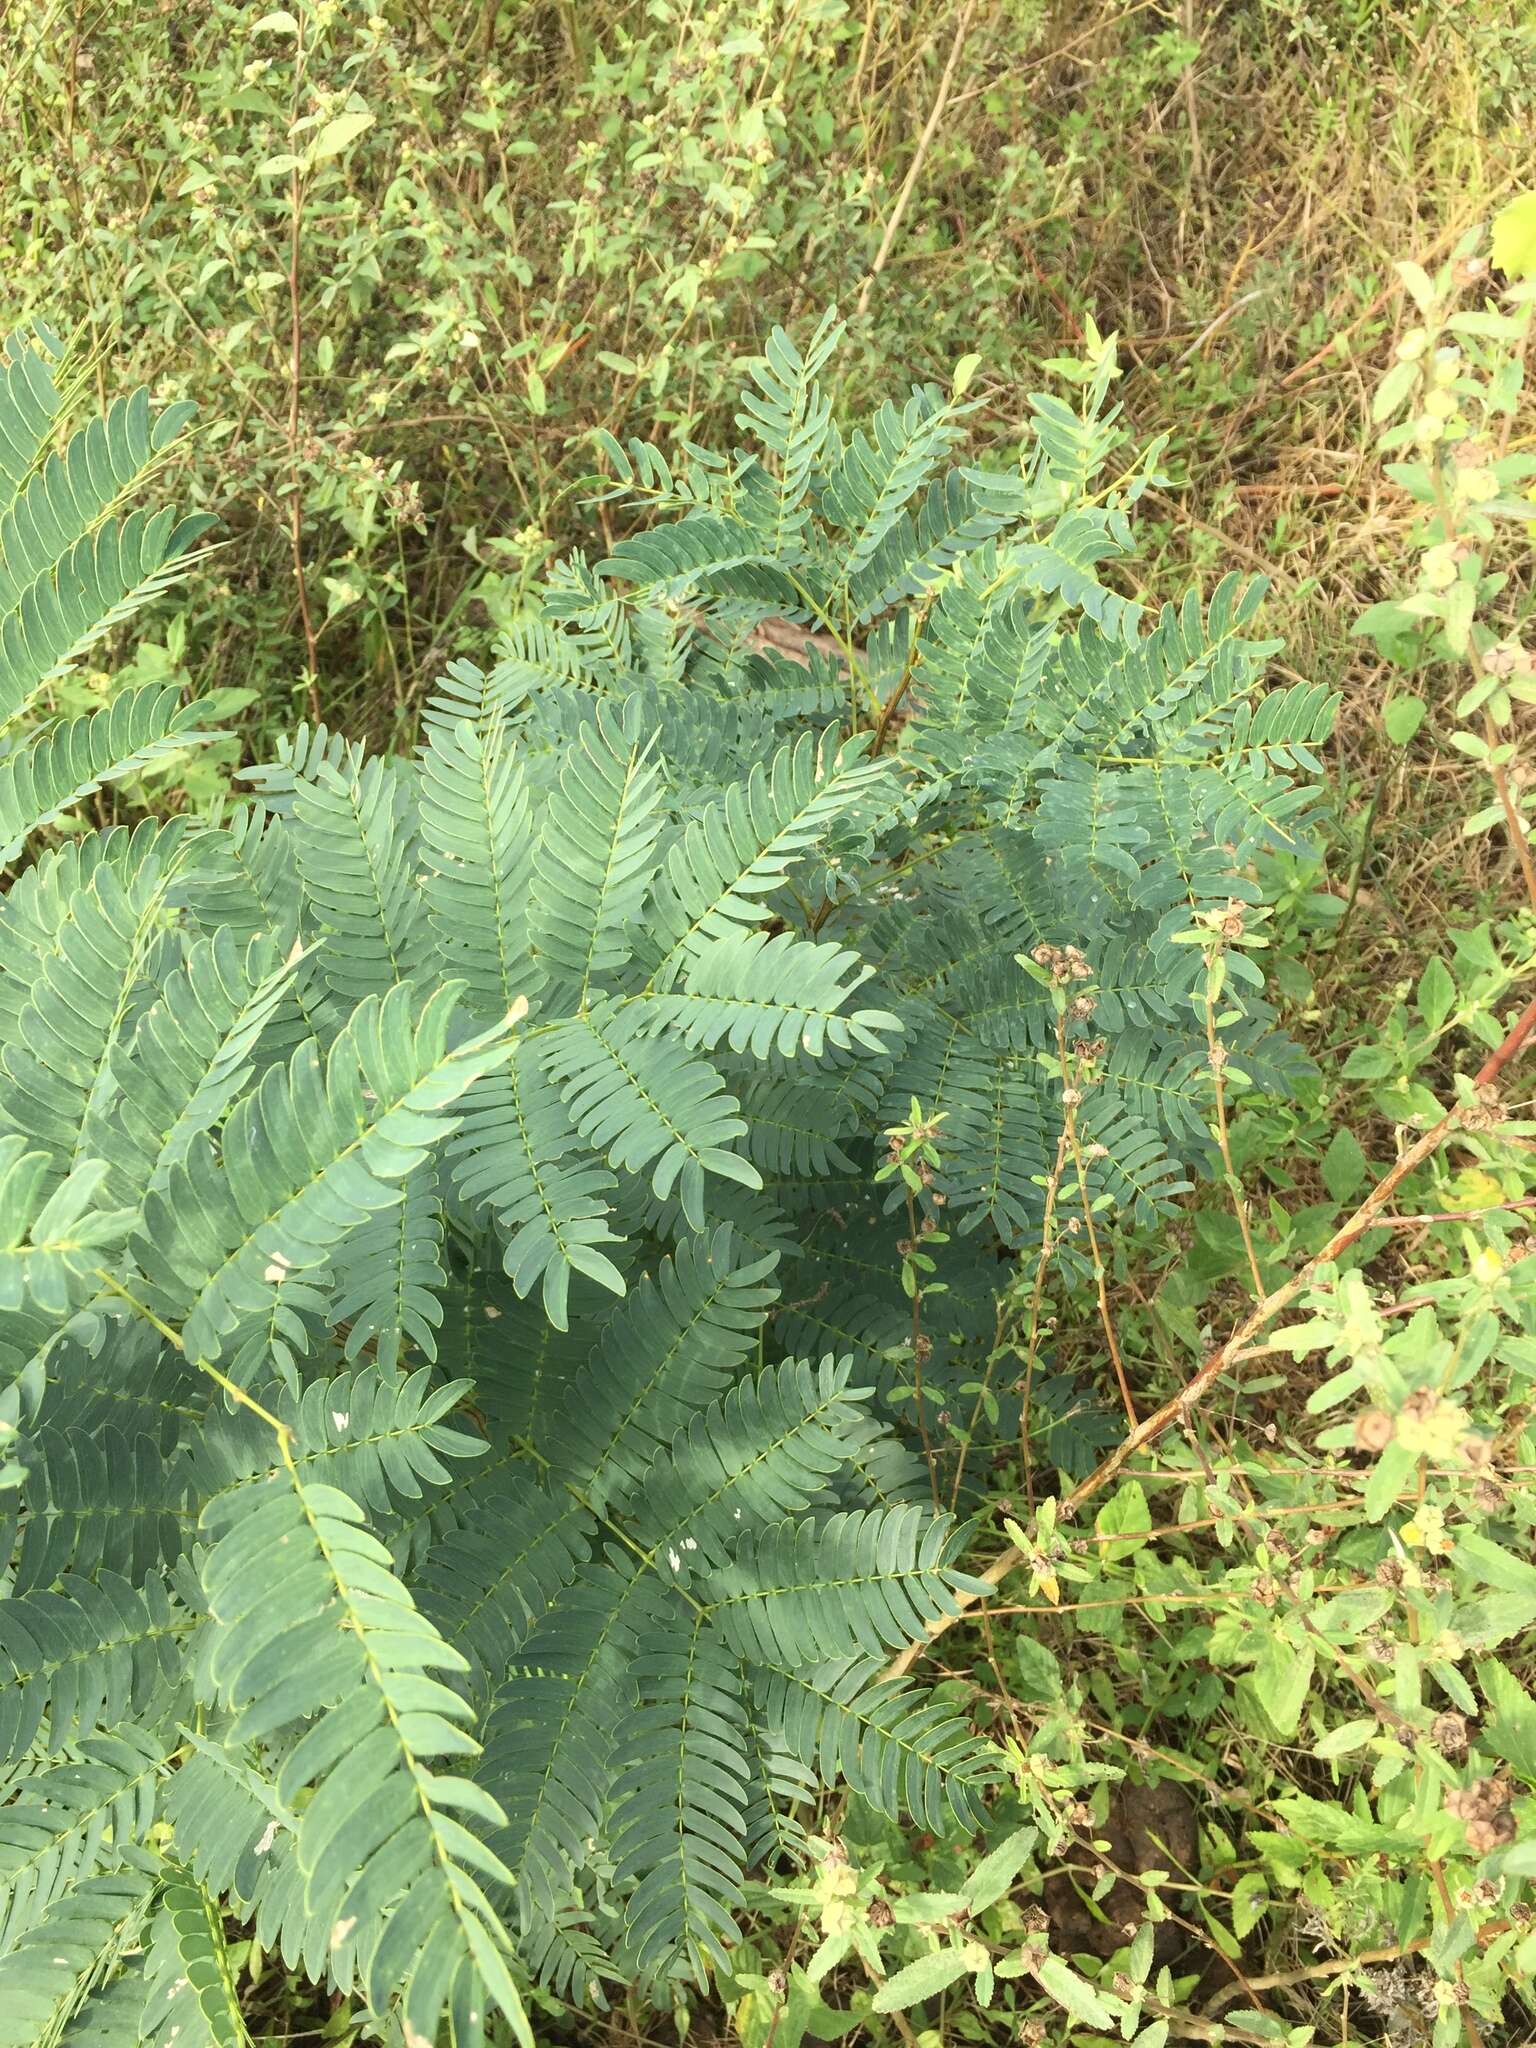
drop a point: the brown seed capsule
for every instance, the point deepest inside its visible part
(1373, 1430)
(1496, 1832)
(1485, 1807)
(1448, 1732)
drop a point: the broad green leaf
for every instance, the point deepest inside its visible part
(1282, 1678)
(1511, 1728)
(996, 1872)
(338, 134)
(1075, 1994)
(1392, 390)
(1126, 1516)
(1038, 1672)
(922, 1979)
(1343, 1165)
(1401, 718)
(1250, 1902)
(1346, 1739)
(1514, 237)
(1436, 993)
(1416, 278)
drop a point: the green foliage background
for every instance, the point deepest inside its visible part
(509, 224)
(417, 268)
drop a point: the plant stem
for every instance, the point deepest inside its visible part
(295, 364)
(1178, 1409)
(1069, 1094)
(1217, 1054)
(930, 128)
(917, 1361)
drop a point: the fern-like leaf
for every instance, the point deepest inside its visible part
(49, 1975)
(801, 1592)
(646, 1103)
(83, 1659)
(73, 1820)
(477, 835)
(595, 854)
(764, 1451)
(780, 995)
(903, 1752)
(353, 835)
(309, 1156)
(741, 849)
(49, 774)
(379, 1842)
(679, 1801)
(667, 1350)
(513, 1153)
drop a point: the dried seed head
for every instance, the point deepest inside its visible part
(1374, 1429)
(1448, 1733)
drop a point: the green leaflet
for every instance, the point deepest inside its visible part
(477, 837)
(190, 1990)
(353, 839)
(73, 1819)
(84, 1659)
(519, 1153)
(693, 1328)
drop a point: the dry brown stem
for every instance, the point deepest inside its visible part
(1178, 1410)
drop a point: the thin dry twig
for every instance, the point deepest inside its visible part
(1191, 113)
(930, 129)
(295, 371)
(1179, 1408)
